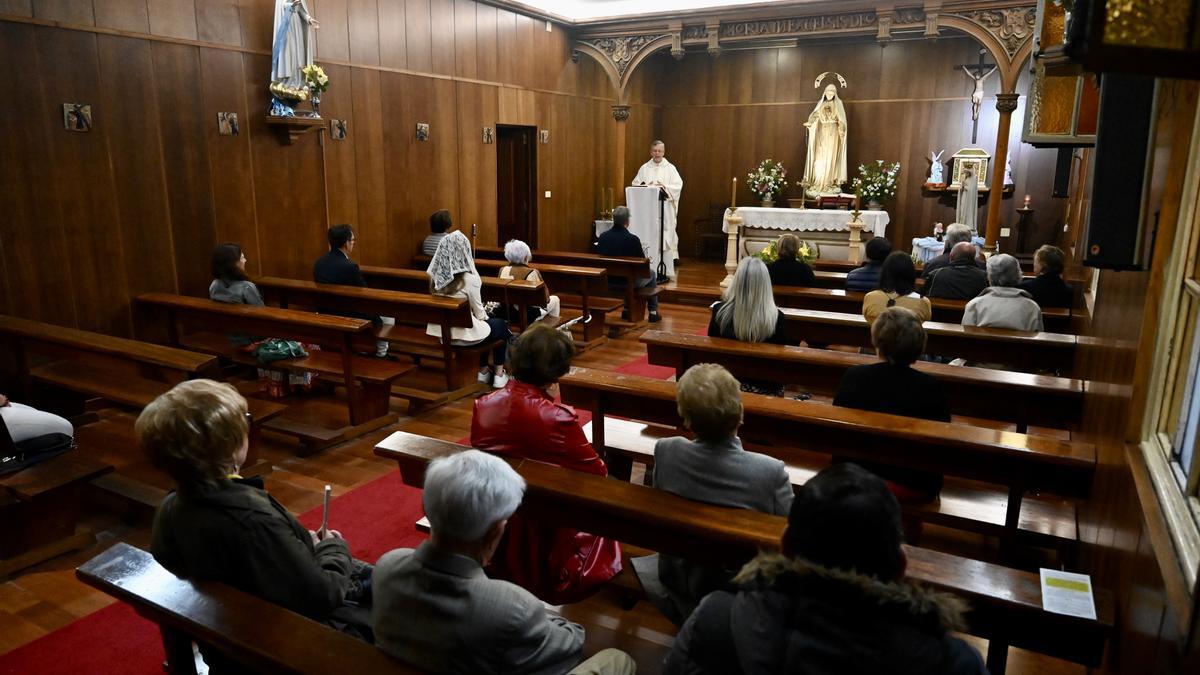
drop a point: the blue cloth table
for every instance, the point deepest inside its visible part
(928, 248)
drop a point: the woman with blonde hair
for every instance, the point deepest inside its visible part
(452, 274)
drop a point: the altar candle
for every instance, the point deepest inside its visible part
(1027, 200)
(733, 195)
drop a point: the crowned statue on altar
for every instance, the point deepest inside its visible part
(292, 48)
(825, 158)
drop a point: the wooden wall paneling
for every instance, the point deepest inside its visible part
(82, 182)
(393, 34)
(442, 27)
(16, 7)
(486, 56)
(362, 18)
(584, 169)
(333, 38)
(788, 81)
(129, 102)
(31, 231)
(439, 157)
(762, 78)
(218, 21)
(256, 17)
(478, 106)
(418, 35)
(525, 56)
(67, 11)
(508, 49)
(340, 156)
(550, 169)
(235, 218)
(288, 186)
(173, 18)
(399, 146)
(186, 162)
(128, 15)
(517, 106)
(366, 132)
(465, 38)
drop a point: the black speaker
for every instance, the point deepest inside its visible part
(1062, 173)
(1118, 233)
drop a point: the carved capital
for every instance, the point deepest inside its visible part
(884, 21)
(1007, 103)
(931, 26)
(620, 112)
(714, 38)
(1012, 26)
(677, 47)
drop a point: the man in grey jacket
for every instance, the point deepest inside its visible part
(1002, 304)
(437, 610)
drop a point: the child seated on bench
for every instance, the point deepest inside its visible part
(218, 526)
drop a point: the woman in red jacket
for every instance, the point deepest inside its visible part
(556, 564)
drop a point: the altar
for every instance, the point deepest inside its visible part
(828, 229)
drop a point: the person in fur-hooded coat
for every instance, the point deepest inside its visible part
(835, 601)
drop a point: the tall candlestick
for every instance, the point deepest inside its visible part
(733, 194)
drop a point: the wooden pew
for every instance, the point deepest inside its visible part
(266, 638)
(1005, 604)
(1040, 400)
(413, 312)
(524, 294)
(577, 287)
(1054, 320)
(367, 380)
(798, 431)
(1021, 350)
(41, 505)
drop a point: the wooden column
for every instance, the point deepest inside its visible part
(1006, 104)
(620, 113)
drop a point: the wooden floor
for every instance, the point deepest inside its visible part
(47, 597)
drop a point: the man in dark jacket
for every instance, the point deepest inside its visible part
(1048, 288)
(866, 278)
(619, 241)
(957, 232)
(835, 601)
(336, 267)
(961, 279)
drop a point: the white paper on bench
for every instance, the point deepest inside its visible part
(1068, 593)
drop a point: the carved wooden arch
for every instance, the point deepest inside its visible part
(1008, 67)
(620, 67)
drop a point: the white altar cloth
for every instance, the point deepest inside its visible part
(807, 220)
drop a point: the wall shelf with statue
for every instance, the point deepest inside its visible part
(295, 127)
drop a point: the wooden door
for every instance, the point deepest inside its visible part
(516, 184)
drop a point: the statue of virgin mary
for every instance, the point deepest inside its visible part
(825, 158)
(291, 48)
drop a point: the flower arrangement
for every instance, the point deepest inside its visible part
(771, 253)
(877, 182)
(767, 180)
(316, 78)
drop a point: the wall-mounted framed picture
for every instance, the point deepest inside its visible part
(77, 116)
(422, 131)
(227, 123)
(337, 129)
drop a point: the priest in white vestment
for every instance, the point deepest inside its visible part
(658, 171)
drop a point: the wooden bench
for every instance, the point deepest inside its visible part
(1054, 320)
(264, 637)
(1039, 400)
(367, 380)
(412, 312)
(1020, 350)
(1006, 605)
(41, 505)
(523, 294)
(800, 432)
(577, 287)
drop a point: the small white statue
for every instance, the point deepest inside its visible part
(1008, 177)
(936, 176)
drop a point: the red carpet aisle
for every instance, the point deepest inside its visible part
(374, 518)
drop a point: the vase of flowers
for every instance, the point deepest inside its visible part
(318, 82)
(767, 181)
(876, 183)
(770, 254)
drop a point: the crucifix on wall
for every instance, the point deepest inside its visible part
(978, 72)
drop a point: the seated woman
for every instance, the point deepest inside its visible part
(713, 469)
(747, 312)
(559, 565)
(892, 386)
(35, 435)
(518, 255)
(439, 223)
(1002, 304)
(217, 526)
(1048, 288)
(452, 274)
(787, 271)
(897, 288)
(230, 284)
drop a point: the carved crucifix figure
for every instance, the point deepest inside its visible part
(978, 72)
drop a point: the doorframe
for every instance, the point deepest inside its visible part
(531, 236)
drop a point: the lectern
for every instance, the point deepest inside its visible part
(646, 205)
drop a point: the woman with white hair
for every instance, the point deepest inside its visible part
(435, 608)
(747, 312)
(1002, 304)
(517, 253)
(452, 274)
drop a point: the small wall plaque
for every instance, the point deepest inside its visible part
(422, 131)
(77, 116)
(544, 136)
(489, 136)
(337, 129)
(227, 123)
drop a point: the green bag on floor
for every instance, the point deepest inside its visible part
(275, 349)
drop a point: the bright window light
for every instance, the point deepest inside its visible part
(586, 10)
